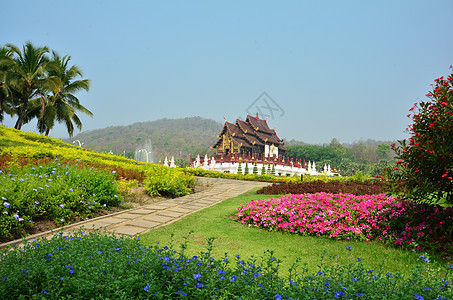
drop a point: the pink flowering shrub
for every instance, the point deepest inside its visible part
(346, 216)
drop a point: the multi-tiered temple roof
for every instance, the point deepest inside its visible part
(250, 137)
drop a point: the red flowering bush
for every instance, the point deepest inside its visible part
(425, 166)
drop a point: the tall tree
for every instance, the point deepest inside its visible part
(61, 104)
(5, 89)
(28, 76)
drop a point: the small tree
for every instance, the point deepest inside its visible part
(273, 170)
(263, 170)
(255, 168)
(246, 169)
(268, 169)
(239, 168)
(425, 166)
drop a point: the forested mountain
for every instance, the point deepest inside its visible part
(183, 137)
(168, 137)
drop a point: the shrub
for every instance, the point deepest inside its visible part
(161, 180)
(352, 187)
(425, 166)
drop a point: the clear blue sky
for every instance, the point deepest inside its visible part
(349, 70)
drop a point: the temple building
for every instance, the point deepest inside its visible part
(251, 137)
(252, 145)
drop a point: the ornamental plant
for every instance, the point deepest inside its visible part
(255, 168)
(425, 165)
(246, 169)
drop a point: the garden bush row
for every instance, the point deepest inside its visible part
(102, 266)
(355, 187)
(253, 177)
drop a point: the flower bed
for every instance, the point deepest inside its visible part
(345, 216)
(53, 192)
(102, 266)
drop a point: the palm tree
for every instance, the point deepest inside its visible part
(27, 75)
(5, 89)
(60, 105)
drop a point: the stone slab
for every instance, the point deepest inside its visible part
(112, 220)
(169, 214)
(180, 210)
(157, 206)
(143, 223)
(130, 230)
(157, 218)
(192, 207)
(97, 224)
(142, 211)
(126, 216)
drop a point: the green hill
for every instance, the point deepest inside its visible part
(168, 137)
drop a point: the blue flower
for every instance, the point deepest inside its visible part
(199, 285)
(278, 297)
(146, 288)
(233, 278)
(5, 212)
(44, 291)
(451, 266)
(418, 297)
(180, 293)
(196, 276)
(389, 274)
(5, 204)
(349, 248)
(339, 294)
(319, 273)
(359, 294)
(71, 270)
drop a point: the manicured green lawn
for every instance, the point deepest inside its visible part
(235, 238)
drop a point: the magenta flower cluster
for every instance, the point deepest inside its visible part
(322, 214)
(346, 216)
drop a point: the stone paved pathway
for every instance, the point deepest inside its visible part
(144, 218)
